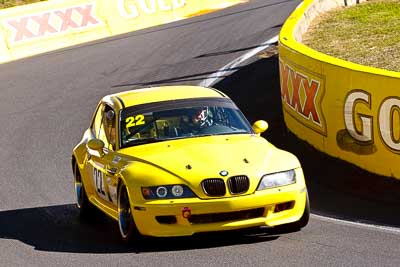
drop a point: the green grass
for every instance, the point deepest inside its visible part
(11, 3)
(367, 34)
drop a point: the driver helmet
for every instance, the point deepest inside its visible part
(202, 117)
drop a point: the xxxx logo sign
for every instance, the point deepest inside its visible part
(51, 23)
(302, 93)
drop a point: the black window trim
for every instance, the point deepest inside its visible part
(178, 103)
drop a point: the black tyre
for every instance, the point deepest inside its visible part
(86, 208)
(127, 227)
(305, 217)
(296, 226)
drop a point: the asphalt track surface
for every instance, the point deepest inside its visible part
(47, 102)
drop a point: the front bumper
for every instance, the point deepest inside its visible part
(147, 224)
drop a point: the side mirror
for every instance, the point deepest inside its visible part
(95, 147)
(260, 127)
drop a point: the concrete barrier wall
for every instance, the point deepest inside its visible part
(344, 109)
(129, 15)
(46, 26)
(4, 52)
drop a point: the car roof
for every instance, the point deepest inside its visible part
(162, 93)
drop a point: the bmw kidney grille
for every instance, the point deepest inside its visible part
(215, 187)
(238, 184)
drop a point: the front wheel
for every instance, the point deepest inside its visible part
(86, 208)
(305, 217)
(127, 227)
(297, 225)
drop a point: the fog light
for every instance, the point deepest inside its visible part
(284, 206)
(186, 212)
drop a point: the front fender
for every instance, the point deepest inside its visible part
(79, 151)
(281, 160)
(139, 174)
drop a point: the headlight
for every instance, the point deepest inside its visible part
(277, 179)
(161, 191)
(166, 192)
(177, 190)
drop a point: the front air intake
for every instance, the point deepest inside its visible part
(226, 216)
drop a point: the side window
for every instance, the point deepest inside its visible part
(97, 120)
(108, 129)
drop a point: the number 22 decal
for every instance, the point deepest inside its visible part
(135, 121)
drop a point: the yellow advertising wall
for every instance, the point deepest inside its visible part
(344, 109)
(4, 52)
(46, 26)
(128, 15)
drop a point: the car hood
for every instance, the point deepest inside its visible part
(193, 159)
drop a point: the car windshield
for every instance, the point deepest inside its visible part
(178, 119)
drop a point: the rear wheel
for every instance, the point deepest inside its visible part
(86, 208)
(127, 227)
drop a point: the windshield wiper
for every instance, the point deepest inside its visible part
(145, 141)
(227, 133)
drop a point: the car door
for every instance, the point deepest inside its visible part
(102, 165)
(98, 170)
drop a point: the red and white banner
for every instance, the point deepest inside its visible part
(50, 23)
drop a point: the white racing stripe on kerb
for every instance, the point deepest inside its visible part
(299, 5)
(211, 79)
(392, 230)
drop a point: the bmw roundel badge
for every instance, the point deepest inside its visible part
(223, 173)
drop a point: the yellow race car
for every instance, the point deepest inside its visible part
(179, 160)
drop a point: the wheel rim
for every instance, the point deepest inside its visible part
(124, 213)
(78, 188)
(79, 193)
